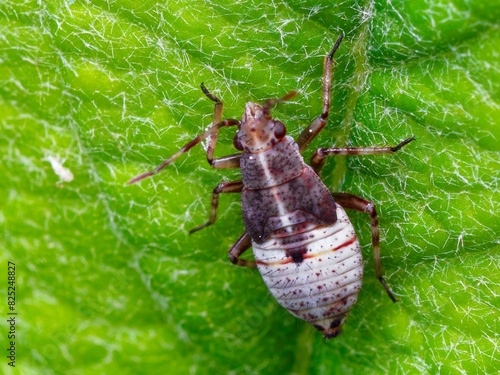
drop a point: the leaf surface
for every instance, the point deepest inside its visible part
(109, 281)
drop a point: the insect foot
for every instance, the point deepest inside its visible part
(303, 243)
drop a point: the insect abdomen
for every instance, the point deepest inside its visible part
(315, 274)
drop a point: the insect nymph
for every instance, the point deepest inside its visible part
(303, 242)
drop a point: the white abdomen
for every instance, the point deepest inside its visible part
(315, 274)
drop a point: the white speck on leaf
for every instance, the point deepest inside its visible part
(64, 174)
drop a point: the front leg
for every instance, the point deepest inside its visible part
(309, 133)
(231, 161)
(354, 202)
(223, 187)
(318, 158)
(211, 134)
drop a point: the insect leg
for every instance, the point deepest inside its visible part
(231, 161)
(318, 159)
(354, 202)
(223, 187)
(239, 247)
(213, 130)
(319, 123)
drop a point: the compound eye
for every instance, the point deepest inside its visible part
(237, 143)
(279, 129)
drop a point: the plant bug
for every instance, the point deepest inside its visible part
(303, 243)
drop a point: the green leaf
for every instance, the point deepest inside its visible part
(93, 93)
